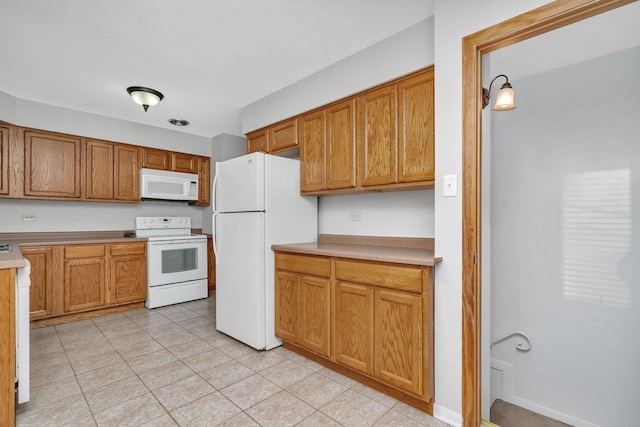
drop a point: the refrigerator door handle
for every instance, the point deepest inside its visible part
(213, 240)
(213, 196)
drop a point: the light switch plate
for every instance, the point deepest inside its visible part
(450, 188)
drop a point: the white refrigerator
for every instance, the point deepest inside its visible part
(256, 203)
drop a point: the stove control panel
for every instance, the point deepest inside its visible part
(162, 222)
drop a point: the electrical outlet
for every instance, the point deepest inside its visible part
(450, 186)
(29, 217)
(354, 215)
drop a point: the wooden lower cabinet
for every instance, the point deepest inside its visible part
(128, 273)
(371, 319)
(85, 277)
(67, 280)
(41, 290)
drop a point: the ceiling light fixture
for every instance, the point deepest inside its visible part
(179, 122)
(504, 100)
(145, 96)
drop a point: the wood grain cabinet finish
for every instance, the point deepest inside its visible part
(156, 159)
(100, 167)
(128, 273)
(354, 326)
(4, 160)
(303, 301)
(204, 181)
(41, 290)
(211, 265)
(258, 141)
(377, 137)
(283, 136)
(373, 319)
(52, 165)
(416, 138)
(181, 162)
(85, 277)
(126, 173)
(341, 145)
(311, 134)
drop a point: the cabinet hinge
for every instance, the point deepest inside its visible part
(475, 258)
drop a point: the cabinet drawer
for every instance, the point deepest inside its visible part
(316, 266)
(84, 251)
(394, 276)
(124, 249)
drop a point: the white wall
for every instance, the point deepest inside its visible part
(403, 214)
(453, 21)
(83, 216)
(565, 241)
(407, 51)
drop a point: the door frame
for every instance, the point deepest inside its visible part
(519, 28)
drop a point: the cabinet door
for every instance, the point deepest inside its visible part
(258, 141)
(211, 265)
(84, 284)
(4, 160)
(156, 159)
(99, 170)
(41, 291)
(399, 340)
(204, 181)
(128, 279)
(315, 314)
(377, 137)
(416, 128)
(181, 162)
(51, 165)
(341, 145)
(354, 326)
(287, 295)
(312, 151)
(283, 136)
(127, 173)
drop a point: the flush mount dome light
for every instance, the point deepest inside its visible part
(145, 96)
(179, 122)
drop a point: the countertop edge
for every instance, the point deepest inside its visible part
(13, 259)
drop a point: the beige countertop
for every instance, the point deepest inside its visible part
(416, 251)
(11, 259)
(68, 238)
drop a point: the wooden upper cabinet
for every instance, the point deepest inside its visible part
(52, 165)
(156, 159)
(283, 136)
(311, 134)
(4, 160)
(416, 138)
(181, 162)
(204, 181)
(126, 173)
(377, 137)
(341, 145)
(258, 141)
(99, 170)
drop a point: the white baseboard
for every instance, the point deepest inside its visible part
(446, 415)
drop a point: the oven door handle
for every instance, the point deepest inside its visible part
(213, 239)
(175, 242)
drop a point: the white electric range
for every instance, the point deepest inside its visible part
(176, 260)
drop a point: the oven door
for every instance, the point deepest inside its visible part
(175, 261)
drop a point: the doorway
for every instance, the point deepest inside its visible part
(523, 27)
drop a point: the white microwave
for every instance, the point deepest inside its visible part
(167, 185)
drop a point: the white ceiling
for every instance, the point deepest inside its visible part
(209, 58)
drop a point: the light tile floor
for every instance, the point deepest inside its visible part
(169, 366)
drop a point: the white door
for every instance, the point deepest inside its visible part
(240, 276)
(239, 184)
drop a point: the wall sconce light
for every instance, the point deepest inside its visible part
(145, 96)
(504, 99)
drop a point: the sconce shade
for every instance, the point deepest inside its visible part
(145, 96)
(505, 99)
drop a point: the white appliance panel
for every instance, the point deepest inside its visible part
(175, 261)
(239, 184)
(160, 296)
(240, 276)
